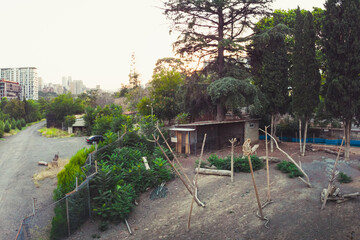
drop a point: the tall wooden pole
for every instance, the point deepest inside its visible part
(267, 166)
(256, 191)
(195, 182)
(247, 151)
(232, 141)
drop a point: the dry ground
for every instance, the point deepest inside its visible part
(230, 211)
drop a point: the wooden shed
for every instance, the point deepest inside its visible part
(188, 137)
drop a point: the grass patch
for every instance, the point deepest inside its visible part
(54, 133)
(49, 171)
(290, 168)
(343, 178)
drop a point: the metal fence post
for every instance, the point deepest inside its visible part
(67, 215)
(89, 199)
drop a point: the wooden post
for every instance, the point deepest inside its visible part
(195, 182)
(190, 188)
(232, 141)
(96, 169)
(34, 207)
(175, 158)
(76, 184)
(67, 215)
(307, 181)
(256, 191)
(267, 166)
(247, 151)
(332, 176)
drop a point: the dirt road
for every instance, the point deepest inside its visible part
(19, 155)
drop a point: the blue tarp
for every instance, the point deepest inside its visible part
(354, 143)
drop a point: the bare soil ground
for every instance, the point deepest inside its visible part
(230, 211)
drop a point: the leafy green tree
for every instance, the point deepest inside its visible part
(306, 77)
(15, 108)
(32, 111)
(213, 29)
(233, 93)
(69, 120)
(64, 105)
(144, 106)
(269, 66)
(164, 87)
(3, 103)
(342, 48)
(133, 97)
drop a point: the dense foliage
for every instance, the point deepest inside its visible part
(290, 168)
(241, 163)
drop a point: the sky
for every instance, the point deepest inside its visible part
(91, 40)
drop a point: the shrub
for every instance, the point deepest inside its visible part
(2, 126)
(290, 168)
(182, 118)
(7, 127)
(13, 124)
(22, 122)
(241, 164)
(343, 178)
(18, 124)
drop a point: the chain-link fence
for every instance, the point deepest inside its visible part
(71, 211)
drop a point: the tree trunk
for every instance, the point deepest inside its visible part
(347, 123)
(271, 133)
(305, 136)
(300, 134)
(220, 112)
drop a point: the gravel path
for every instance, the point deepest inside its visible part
(19, 155)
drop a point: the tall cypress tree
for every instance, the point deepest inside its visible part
(305, 77)
(342, 48)
(269, 65)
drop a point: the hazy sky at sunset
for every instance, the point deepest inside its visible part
(91, 40)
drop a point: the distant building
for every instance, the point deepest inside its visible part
(40, 83)
(10, 89)
(27, 78)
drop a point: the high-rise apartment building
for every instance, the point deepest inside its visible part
(27, 78)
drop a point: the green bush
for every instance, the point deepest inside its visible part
(18, 124)
(2, 126)
(290, 168)
(22, 122)
(13, 124)
(7, 127)
(343, 178)
(241, 164)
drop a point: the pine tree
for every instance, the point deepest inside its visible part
(305, 77)
(212, 30)
(341, 31)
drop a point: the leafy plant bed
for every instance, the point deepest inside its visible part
(241, 163)
(290, 168)
(344, 178)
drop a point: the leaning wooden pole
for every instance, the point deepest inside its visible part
(195, 182)
(175, 158)
(307, 181)
(232, 141)
(247, 151)
(189, 188)
(267, 167)
(332, 178)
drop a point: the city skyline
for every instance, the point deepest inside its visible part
(91, 40)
